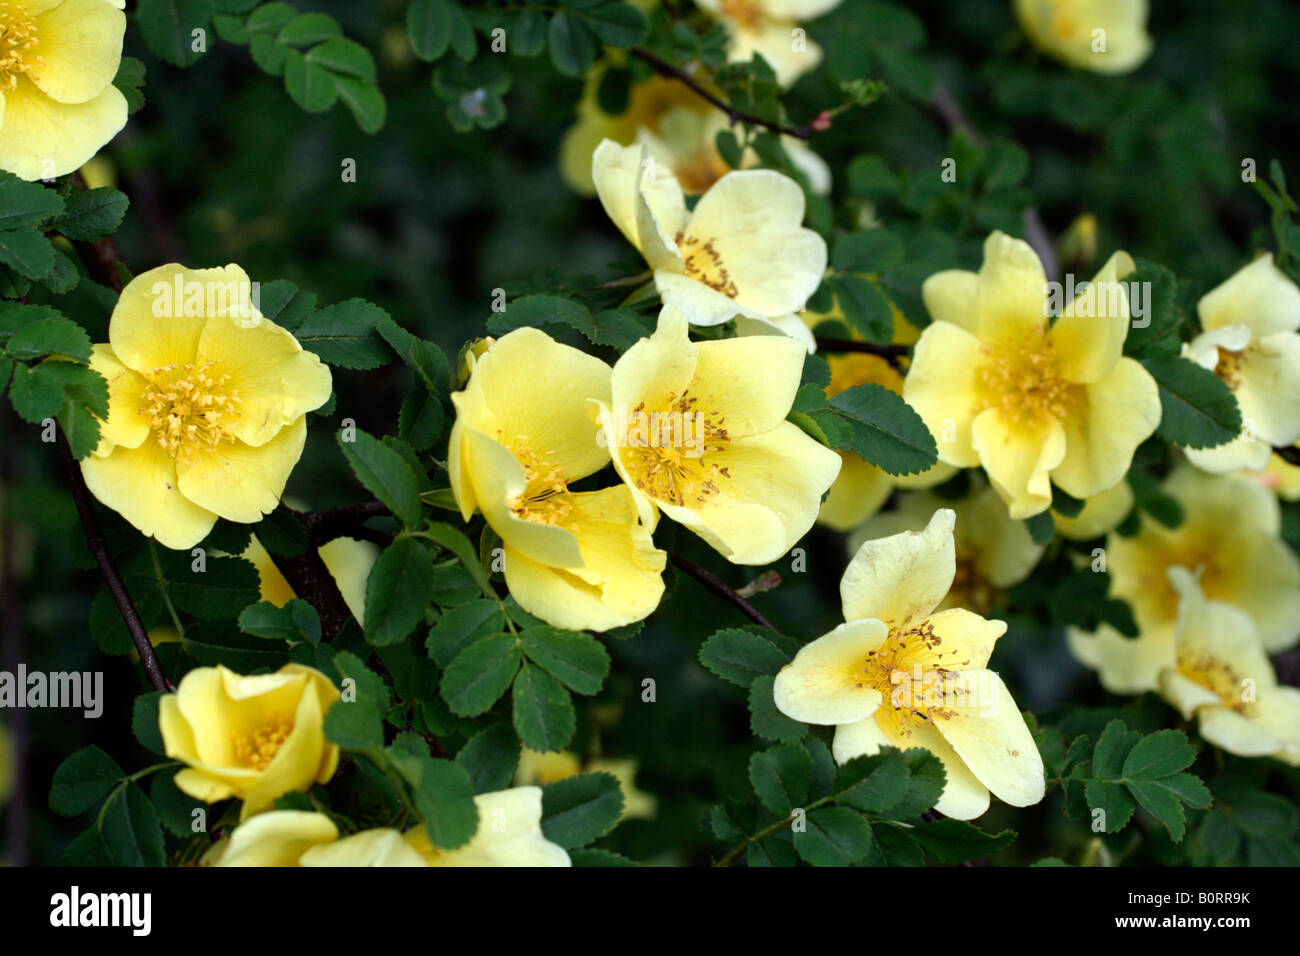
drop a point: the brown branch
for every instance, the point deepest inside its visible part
(893, 354)
(312, 581)
(667, 70)
(103, 557)
(723, 590)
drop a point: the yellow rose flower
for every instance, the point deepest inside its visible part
(899, 673)
(523, 434)
(1034, 403)
(648, 103)
(543, 768)
(208, 405)
(1230, 535)
(348, 561)
(1100, 514)
(741, 254)
(768, 27)
(993, 551)
(1105, 36)
(686, 143)
(1250, 341)
(698, 429)
(254, 738)
(58, 104)
(509, 834)
(1222, 677)
(300, 838)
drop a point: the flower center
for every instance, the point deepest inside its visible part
(704, 264)
(1228, 367)
(545, 498)
(1023, 382)
(1064, 19)
(698, 172)
(908, 670)
(1216, 676)
(258, 749)
(667, 450)
(189, 409)
(746, 13)
(17, 37)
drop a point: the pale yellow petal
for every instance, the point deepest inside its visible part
(1019, 458)
(141, 484)
(1012, 291)
(903, 577)
(1100, 514)
(162, 313)
(824, 683)
(1089, 336)
(953, 296)
(43, 138)
(240, 482)
(78, 49)
(277, 838)
(943, 386)
(1258, 294)
(1102, 431)
(128, 423)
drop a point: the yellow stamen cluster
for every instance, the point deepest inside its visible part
(189, 409)
(746, 13)
(700, 171)
(1216, 676)
(258, 749)
(1065, 21)
(17, 37)
(1228, 367)
(909, 671)
(704, 264)
(675, 470)
(1022, 381)
(545, 498)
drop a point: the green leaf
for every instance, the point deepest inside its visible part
(83, 780)
(875, 784)
(833, 836)
(225, 583)
(129, 80)
(490, 758)
(295, 621)
(55, 336)
(781, 776)
(1198, 410)
(580, 809)
(864, 306)
(309, 28)
(167, 27)
(399, 588)
(572, 46)
(386, 475)
(543, 710)
(428, 24)
(461, 626)
(1113, 800)
(598, 857)
(869, 250)
(24, 205)
(355, 722)
(1159, 755)
(27, 253)
(131, 830)
(144, 721)
(92, 214)
(444, 797)
(616, 24)
(455, 542)
(175, 809)
(480, 674)
(80, 427)
(1112, 749)
(740, 656)
(883, 429)
(1163, 804)
(344, 335)
(764, 718)
(924, 785)
(956, 841)
(574, 658)
(308, 83)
